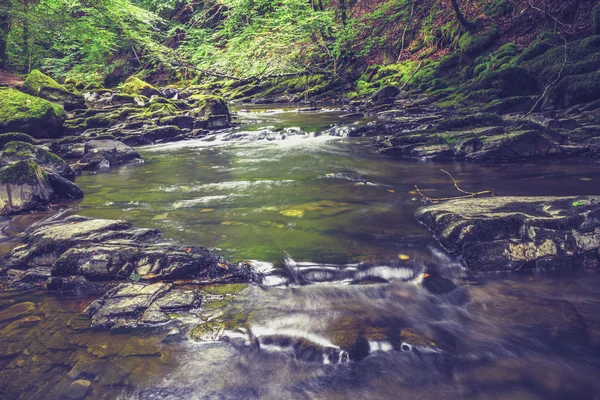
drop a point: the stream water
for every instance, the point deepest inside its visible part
(345, 310)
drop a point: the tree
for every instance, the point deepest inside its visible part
(4, 29)
(461, 18)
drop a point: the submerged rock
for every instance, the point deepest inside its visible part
(99, 153)
(518, 233)
(135, 304)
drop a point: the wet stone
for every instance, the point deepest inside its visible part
(17, 311)
(513, 233)
(78, 389)
(133, 304)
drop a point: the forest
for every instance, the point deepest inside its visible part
(299, 199)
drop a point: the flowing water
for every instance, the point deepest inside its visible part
(357, 301)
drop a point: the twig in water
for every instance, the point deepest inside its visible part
(467, 195)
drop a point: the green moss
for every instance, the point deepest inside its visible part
(136, 86)
(19, 149)
(22, 172)
(576, 89)
(223, 290)
(157, 110)
(99, 121)
(36, 81)
(583, 56)
(69, 139)
(499, 8)
(442, 138)
(544, 42)
(449, 61)
(29, 114)
(473, 45)
(14, 136)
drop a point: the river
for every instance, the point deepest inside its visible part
(357, 299)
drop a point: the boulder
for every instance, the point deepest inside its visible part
(130, 305)
(24, 186)
(40, 85)
(152, 135)
(108, 250)
(385, 95)
(104, 153)
(210, 105)
(20, 112)
(518, 233)
(14, 137)
(22, 151)
(135, 86)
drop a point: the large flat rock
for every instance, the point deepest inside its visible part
(514, 233)
(99, 250)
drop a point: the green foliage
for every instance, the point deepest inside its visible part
(259, 37)
(84, 40)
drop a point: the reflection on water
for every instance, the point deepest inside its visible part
(339, 314)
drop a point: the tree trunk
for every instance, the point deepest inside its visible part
(343, 11)
(26, 49)
(4, 30)
(461, 18)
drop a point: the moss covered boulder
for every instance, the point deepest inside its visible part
(38, 84)
(211, 110)
(136, 86)
(14, 136)
(23, 186)
(17, 151)
(29, 114)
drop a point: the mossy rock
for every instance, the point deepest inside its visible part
(136, 86)
(22, 151)
(209, 105)
(576, 89)
(583, 56)
(544, 42)
(15, 136)
(23, 186)
(474, 45)
(511, 81)
(499, 8)
(38, 84)
(100, 121)
(29, 114)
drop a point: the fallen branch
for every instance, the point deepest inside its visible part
(413, 74)
(467, 195)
